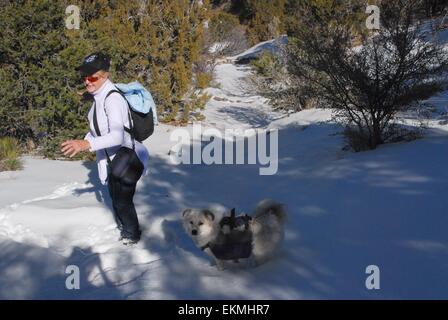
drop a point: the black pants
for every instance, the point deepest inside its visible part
(122, 195)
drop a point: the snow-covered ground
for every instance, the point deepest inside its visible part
(386, 207)
(272, 46)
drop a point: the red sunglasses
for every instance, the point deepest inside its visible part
(90, 78)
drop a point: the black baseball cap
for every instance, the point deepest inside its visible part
(94, 62)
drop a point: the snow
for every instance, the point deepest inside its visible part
(273, 46)
(347, 211)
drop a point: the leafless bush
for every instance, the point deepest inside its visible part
(392, 70)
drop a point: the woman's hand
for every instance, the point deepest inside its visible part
(72, 147)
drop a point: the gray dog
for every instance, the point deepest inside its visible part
(259, 237)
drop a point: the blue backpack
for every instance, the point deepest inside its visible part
(142, 109)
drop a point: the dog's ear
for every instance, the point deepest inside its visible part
(186, 211)
(209, 215)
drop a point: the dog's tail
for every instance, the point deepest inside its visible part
(268, 207)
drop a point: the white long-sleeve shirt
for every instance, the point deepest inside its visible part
(111, 125)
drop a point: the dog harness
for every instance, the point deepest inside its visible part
(234, 244)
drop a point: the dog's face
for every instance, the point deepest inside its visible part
(198, 223)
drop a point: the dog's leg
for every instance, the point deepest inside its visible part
(219, 263)
(252, 262)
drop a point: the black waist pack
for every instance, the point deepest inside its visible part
(126, 165)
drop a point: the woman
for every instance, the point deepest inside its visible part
(111, 111)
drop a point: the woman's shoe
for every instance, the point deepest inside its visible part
(129, 241)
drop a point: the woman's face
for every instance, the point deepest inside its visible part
(95, 81)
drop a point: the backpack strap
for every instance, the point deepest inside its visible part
(97, 129)
(131, 124)
(233, 221)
